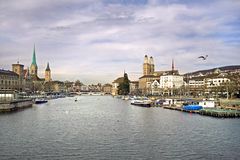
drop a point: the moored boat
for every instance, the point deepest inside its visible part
(40, 100)
(192, 107)
(143, 102)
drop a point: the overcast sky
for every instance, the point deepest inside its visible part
(95, 40)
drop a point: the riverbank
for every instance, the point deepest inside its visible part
(15, 105)
(212, 112)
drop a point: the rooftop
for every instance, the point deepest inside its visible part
(7, 72)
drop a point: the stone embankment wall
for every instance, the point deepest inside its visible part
(15, 105)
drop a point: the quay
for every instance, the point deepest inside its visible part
(215, 112)
(15, 105)
(220, 113)
(180, 109)
(11, 101)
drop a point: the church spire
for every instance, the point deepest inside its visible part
(34, 57)
(48, 68)
(172, 66)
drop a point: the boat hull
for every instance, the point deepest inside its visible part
(141, 105)
(41, 102)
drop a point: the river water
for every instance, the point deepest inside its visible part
(102, 127)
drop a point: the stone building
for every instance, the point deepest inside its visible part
(48, 74)
(134, 88)
(40, 84)
(25, 81)
(9, 80)
(155, 87)
(19, 69)
(170, 83)
(107, 88)
(150, 76)
(148, 65)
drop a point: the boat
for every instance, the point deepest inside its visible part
(207, 103)
(143, 102)
(198, 105)
(40, 100)
(96, 94)
(192, 107)
(125, 98)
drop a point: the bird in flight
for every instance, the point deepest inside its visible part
(203, 57)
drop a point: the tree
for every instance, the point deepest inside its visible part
(123, 88)
(78, 83)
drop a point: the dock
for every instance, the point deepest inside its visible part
(180, 109)
(212, 112)
(220, 113)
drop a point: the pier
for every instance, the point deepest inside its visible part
(220, 113)
(216, 112)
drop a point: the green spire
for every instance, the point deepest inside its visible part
(48, 68)
(34, 57)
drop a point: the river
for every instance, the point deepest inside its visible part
(102, 127)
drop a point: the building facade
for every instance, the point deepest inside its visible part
(9, 80)
(107, 88)
(171, 81)
(134, 88)
(150, 76)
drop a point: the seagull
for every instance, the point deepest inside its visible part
(203, 57)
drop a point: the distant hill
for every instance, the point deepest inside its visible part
(223, 69)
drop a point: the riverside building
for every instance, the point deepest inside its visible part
(149, 83)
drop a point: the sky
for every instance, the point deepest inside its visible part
(96, 40)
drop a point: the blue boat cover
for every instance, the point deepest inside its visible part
(192, 107)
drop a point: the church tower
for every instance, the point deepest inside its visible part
(33, 67)
(151, 62)
(48, 74)
(146, 66)
(19, 69)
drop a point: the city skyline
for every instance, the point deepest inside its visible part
(96, 41)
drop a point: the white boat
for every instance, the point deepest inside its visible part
(169, 102)
(125, 98)
(40, 100)
(143, 102)
(210, 103)
(96, 94)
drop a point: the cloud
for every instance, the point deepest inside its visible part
(94, 40)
